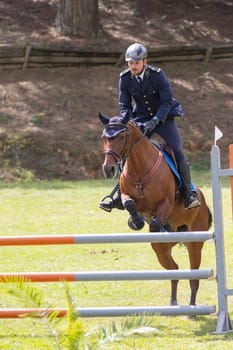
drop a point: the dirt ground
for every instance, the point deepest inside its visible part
(48, 122)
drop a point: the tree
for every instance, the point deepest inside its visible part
(78, 17)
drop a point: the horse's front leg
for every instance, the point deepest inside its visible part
(135, 221)
(160, 217)
(157, 226)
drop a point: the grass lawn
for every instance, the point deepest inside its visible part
(72, 208)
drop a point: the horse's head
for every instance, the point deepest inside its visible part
(115, 142)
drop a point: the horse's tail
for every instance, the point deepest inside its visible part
(210, 218)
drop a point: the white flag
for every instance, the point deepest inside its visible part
(217, 134)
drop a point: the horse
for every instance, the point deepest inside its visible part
(149, 192)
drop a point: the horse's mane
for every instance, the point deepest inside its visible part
(136, 131)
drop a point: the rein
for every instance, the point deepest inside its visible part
(120, 159)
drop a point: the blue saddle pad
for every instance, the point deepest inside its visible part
(172, 166)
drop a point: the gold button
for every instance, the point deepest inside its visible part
(149, 108)
(151, 113)
(144, 96)
(146, 102)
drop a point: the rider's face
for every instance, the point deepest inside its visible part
(136, 67)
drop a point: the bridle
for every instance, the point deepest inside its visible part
(121, 157)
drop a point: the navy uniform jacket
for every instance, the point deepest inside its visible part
(152, 97)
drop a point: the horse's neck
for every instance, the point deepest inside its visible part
(142, 155)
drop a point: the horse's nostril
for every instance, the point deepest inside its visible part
(109, 171)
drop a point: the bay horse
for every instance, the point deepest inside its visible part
(149, 193)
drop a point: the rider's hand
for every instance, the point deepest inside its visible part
(151, 125)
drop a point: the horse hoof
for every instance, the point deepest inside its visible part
(136, 224)
(154, 226)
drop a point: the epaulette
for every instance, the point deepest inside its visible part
(124, 72)
(155, 69)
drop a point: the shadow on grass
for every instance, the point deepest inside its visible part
(208, 326)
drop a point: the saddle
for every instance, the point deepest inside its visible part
(169, 156)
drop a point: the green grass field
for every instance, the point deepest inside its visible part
(72, 208)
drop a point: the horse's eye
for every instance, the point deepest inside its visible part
(121, 137)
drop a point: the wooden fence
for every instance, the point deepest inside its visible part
(22, 57)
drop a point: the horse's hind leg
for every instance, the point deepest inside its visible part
(163, 252)
(136, 221)
(194, 250)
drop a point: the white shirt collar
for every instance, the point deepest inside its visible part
(141, 75)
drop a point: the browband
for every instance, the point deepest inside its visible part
(114, 129)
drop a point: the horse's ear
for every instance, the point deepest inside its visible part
(103, 119)
(126, 117)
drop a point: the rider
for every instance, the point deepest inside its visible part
(145, 92)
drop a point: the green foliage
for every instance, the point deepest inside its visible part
(37, 119)
(19, 288)
(75, 332)
(14, 150)
(117, 332)
(73, 337)
(31, 297)
(4, 118)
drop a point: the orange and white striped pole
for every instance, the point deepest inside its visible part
(231, 179)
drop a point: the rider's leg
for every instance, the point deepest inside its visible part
(170, 134)
(191, 199)
(113, 200)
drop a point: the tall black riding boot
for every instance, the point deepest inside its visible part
(114, 200)
(191, 199)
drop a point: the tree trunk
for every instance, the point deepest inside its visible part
(78, 17)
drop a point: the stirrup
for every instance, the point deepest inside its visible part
(107, 206)
(111, 204)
